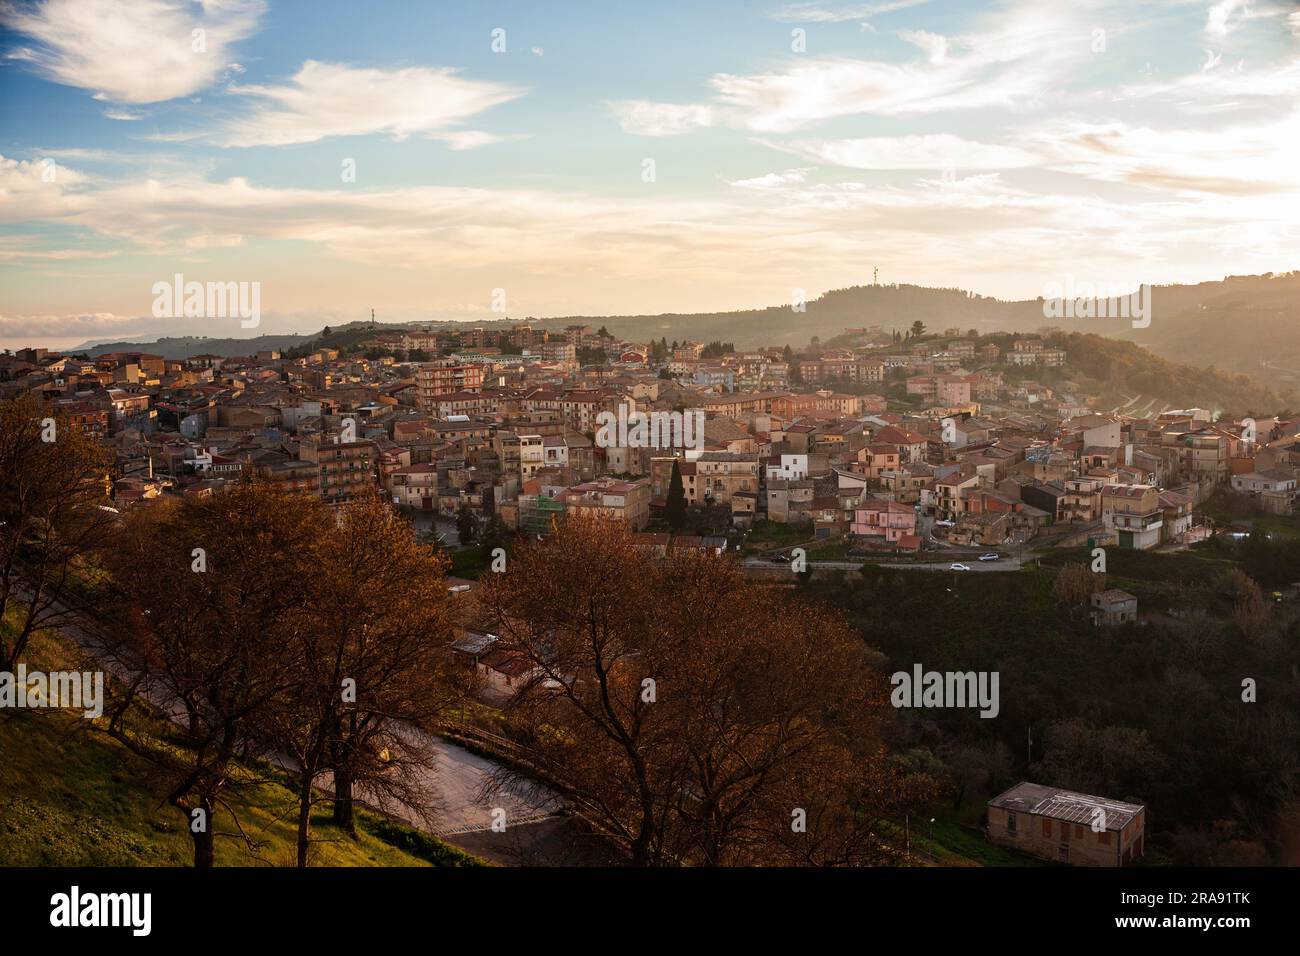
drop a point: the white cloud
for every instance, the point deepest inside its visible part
(1246, 160)
(1219, 20)
(1268, 89)
(32, 190)
(1017, 57)
(934, 45)
(776, 226)
(830, 13)
(645, 118)
(773, 180)
(928, 151)
(470, 138)
(132, 51)
(333, 99)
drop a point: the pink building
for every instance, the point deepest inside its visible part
(953, 391)
(891, 520)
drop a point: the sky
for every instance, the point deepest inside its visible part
(486, 160)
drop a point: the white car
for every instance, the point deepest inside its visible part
(991, 556)
(944, 524)
(958, 567)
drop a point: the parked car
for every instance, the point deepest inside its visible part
(958, 567)
(991, 556)
(780, 558)
(942, 523)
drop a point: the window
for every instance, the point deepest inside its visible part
(1011, 822)
(1047, 827)
(1103, 837)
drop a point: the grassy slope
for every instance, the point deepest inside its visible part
(70, 796)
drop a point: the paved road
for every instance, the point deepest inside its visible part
(1010, 563)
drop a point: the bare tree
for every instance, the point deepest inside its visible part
(208, 596)
(376, 669)
(695, 718)
(52, 516)
(1075, 584)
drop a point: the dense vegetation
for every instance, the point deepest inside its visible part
(1152, 712)
(1122, 369)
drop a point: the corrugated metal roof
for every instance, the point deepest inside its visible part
(1066, 805)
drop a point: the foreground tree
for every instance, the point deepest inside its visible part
(376, 673)
(695, 718)
(207, 609)
(52, 515)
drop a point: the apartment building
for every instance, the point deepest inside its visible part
(1205, 456)
(347, 469)
(721, 475)
(292, 475)
(89, 419)
(1082, 500)
(436, 379)
(560, 352)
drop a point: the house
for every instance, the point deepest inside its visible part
(789, 501)
(1274, 488)
(1113, 606)
(415, 486)
(948, 489)
(875, 459)
(786, 467)
(1133, 512)
(911, 446)
(1067, 827)
(1177, 508)
(887, 520)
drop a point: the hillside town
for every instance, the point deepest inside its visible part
(905, 445)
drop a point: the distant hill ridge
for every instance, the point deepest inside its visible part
(1235, 324)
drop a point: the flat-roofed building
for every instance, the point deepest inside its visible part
(1067, 827)
(625, 501)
